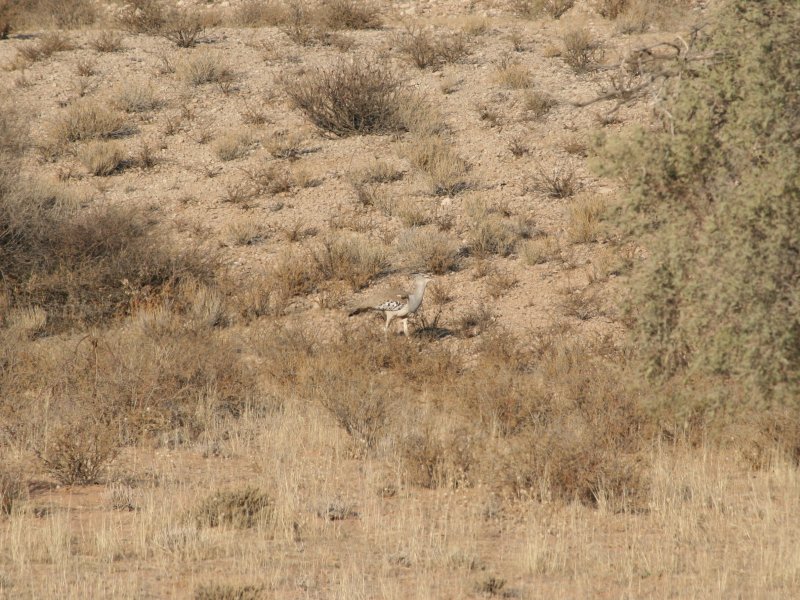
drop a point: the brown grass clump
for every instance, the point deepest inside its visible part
(537, 104)
(426, 50)
(352, 258)
(428, 249)
(204, 67)
(77, 453)
(13, 488)
(182, 27)
(102, 158)
(446, 170)
(88, 119)
(561, 182)
(106, 41)
(581, 50)
(491, 234)
(232, 145)
(541, 250)
(45, 47)
(257, 13)
(535, 8)
(353, 97)
(136, 97)
(513, 75)
(349, 14)
(584, 220)
(240, 509)
(221, 591)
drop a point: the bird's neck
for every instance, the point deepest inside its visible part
(415, 299)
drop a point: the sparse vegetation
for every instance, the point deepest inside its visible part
(582, 51)
(353, 97)
(602, 374)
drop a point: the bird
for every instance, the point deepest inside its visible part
(396, 303)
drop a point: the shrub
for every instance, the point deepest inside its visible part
(584, 220)
(232, 145)
(45, 47)
(106, 41)
(581, 50)
(721, 301)
(534, 8)
(491, 234)
(353, 258)
(13, 488)
(538, 104)
(258, 13)
(205, 67)
(353, 97)
(561, 182)
(142, 16)
(428, 51)
(135, 97)
(102, 158)
(428, 249)
(220, 591)
(182, 27)
(82, 267)
(513, 75)
(79, 452)
(240, 509)
(349, 14)
(446, 169)
(87, 120)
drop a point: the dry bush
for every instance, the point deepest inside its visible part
(561, 182)
(541, 250)
(102, 158)
(410, 213)
(352, 257)
(582, 51)
(535, 8)
(292, 274)
(513, 75)
(6, 18)
(584, 220)
(766, 440)
(438, 457)
(260, 13)
(537, 104)
(80, 266)
(13, 488)
(427, 50)
(491, 234)
(285, 144)
(428, 249)
(45, 47)
(142, 16)
(182, 27)
(232, 145)
(78, 452)
(349, 14)
(221, 591)
(352, 97)
(611, 9)
(241, 509)
(136, 96)
(475, 321)
(247, 233)
(379, 172)
(499, 281)
(88, 119)
(47, 14)
(447, 171)
(301, 26)
(205, 67)
(106, 41)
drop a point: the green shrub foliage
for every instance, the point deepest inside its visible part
(715, 198)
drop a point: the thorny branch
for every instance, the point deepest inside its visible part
(650, 71)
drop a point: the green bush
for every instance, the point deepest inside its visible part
(715, 199)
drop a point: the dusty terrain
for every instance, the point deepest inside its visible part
(233, 168)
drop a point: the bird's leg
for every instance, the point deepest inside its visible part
(389, 318)
(405, 326)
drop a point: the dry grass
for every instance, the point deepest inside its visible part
(582, 51)
(352, 258)
(428, 249)
(445, 169)
(232, 145)
(541, 250)
(513, 75)
(136, 97)
(102, 158)
(349, 14)
(532, 9)
(205, 67)
(427, 50)
(537, 105)
(561, 182)
(88, 119)
(353, 97)
(584, 220)
(107, 41)
(45, 47)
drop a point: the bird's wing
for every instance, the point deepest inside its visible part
(391, 299)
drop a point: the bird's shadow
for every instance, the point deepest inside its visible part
(432, 332)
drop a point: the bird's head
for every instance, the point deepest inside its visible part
(420, 277)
